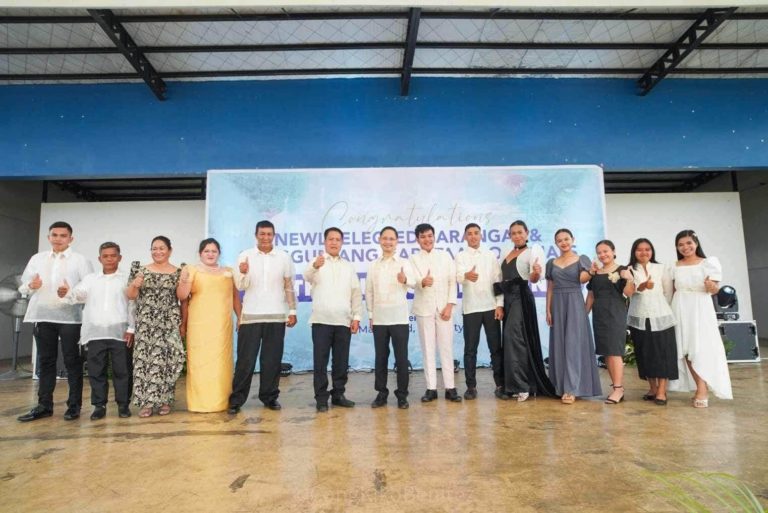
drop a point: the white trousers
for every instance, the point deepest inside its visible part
(433, 331)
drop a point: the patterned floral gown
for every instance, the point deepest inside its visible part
(158, 355)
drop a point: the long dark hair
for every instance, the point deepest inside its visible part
(633, 258)
(691, 234)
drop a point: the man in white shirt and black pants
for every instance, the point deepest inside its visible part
(336, 311)
(48, 277)
(269, 305)
(108, 327)
(386, 287)
(477, 269)
(434, 297)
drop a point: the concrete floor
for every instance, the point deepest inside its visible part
(484, 455)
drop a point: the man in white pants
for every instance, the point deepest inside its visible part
(433, 301)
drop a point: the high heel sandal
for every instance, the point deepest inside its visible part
(522, 397)
(145, 412)
(164, 409)
(608, 399)
(568, 399)
(701, 403)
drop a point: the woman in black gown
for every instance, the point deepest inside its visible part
(524, 372)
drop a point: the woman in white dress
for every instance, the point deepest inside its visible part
(700, 351)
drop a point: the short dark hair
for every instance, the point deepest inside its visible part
(332, 229)
(109, 245)
(205, 242)
(563, 230)
(472, 225)
(162, 238)
(388, 228)
(519, 222)
(424, 228)
(61, 224)
(633, 258)
(265, 224)
(692, 235)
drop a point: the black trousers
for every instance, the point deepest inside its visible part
(327, 338)
(472, 324)
(100, 352)
(269, 337)
(398, 334)
(47, 336)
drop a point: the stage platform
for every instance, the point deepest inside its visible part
(477, 456)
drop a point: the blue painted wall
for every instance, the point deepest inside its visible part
(121, 129)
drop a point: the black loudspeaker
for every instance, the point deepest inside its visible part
(740, 341)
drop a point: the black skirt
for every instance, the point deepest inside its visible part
(656, 352)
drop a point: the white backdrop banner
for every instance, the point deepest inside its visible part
(302, 203)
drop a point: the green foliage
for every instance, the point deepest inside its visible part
(630, 358)
(705, 492)
(728, 344)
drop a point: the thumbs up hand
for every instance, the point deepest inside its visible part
(428, 279)
(711, 287)
(36, 282)
(184, 274)
(471, 275)
(626, 274)
(401, 277)
(138, 281)
(595, 267)
(649, 283)
(319, 261)
(243, 267)
(536, 267)
(63, 289)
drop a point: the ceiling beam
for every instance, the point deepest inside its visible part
(105, 18)
(396, 45)
(412, 35)
(629, 15)
(376, 72)
(705, 25)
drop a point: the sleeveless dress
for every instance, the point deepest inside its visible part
(209, 341)
(523, 364)
(158, 354)
(609, 313)
(572, 364)
(697, 332)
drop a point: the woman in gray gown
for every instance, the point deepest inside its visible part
(572, 365)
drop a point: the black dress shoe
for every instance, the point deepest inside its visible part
(470, 394)
(429, 396)
(501, 394)
(274, 404)
(124, 411)
(381, 400)
(343, 402)
(38, 412)
(322, 407)
(99, 413)
(402, 404)
(72, 413)
(233, 410)
(452, 395)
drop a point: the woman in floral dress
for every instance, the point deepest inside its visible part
(158, 355)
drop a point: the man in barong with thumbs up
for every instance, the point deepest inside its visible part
(47, 279)
(477, 269)
(266, 275)
(434, 297)
(386, 285)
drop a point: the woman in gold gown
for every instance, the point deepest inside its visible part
(209, 292)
